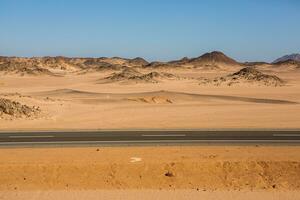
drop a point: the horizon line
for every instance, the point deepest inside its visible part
(131, 58)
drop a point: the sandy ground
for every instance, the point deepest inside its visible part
(150, 194)
(207, 172)
(79, 102)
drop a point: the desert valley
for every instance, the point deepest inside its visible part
(210, 91)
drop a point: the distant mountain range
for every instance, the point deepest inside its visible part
(215, 60)
(293, 57)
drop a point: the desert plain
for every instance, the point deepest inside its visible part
(176, 172)
(211, 91)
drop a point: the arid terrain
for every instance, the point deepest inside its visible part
(150, 100)
(210, 91)
(199, 172)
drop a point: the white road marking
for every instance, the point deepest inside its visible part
(135, 159)
(286, 135)
(31, 136)
(166, 135)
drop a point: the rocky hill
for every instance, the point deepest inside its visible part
(131, 75)
(15, 109)
(126, 74)
(163, 65)
(293, 57)
(212, 60)
(23, 68)
(62, 65)
(248, 75)
(288, 64)
(138, 62)
(153, 77)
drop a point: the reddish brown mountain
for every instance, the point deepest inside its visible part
(212, 60)
(138, 62)
(215, 57)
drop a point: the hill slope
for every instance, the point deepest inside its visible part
(294, 57)
(212, 60)
(247, 75)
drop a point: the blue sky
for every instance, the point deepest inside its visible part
(246, 30)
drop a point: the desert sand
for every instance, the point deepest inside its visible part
(210, 172)
(115, 93)
(208, 92)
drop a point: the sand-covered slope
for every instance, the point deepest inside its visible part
(80, 102)
(23, 68)
(287, 65)
(64, 65)
(130, 75)
(172, 96)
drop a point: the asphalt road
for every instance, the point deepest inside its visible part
(147, 137)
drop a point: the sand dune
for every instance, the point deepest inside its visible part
(144, 96)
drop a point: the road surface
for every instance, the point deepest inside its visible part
(142, 137)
